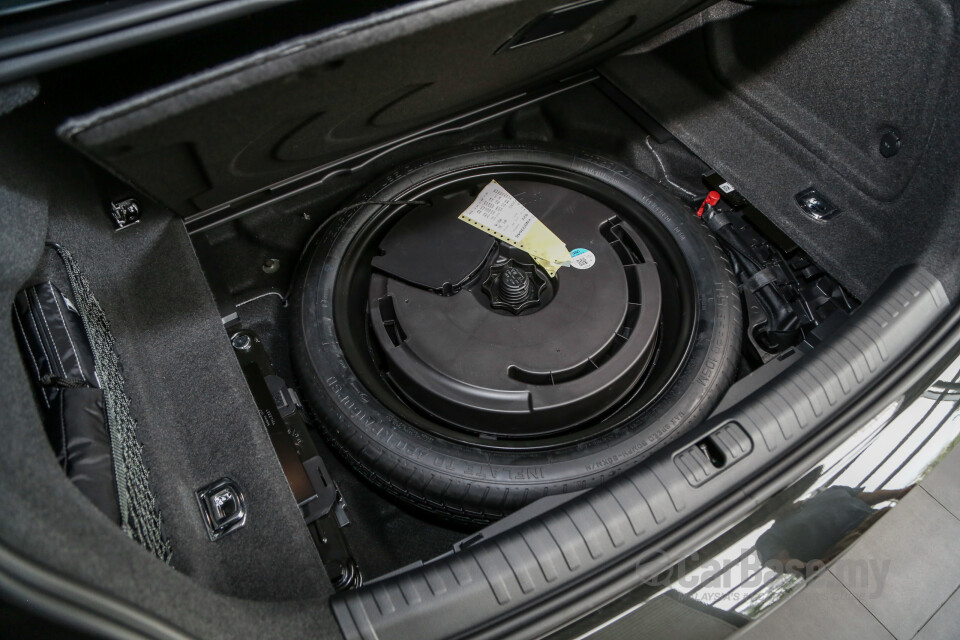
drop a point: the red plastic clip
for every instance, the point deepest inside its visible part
(712, 199)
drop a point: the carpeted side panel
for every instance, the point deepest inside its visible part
(781, 99)
(197, 421)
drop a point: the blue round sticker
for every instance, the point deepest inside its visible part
(582, 258)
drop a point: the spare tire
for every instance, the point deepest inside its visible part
(450, 370)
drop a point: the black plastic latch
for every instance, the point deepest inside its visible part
(714, 453)
(326, 497)
(283, 396)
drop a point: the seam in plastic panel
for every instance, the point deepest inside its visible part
(564, 540)
(360, 623)
(544, 561)
(591, 551)
(659, 503)
(493, 573)
(802, 420)
(518, 563)
(613, 518)
(691, 468)
(725, 440)
(382, 599)
(806, 392)
(636, 487)
(435, 581)
(676, 500)
(397, 587)
(634, 522)
(409, 591)
(553, 538)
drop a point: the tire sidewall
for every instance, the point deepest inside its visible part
(477, 483)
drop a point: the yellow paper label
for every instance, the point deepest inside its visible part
(501, 215)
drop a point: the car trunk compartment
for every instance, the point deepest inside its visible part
(238, 168)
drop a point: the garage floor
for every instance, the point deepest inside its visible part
(915, 594)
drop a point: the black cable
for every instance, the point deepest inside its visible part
(364, 203)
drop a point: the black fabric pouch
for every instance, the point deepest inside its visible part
(58, 355)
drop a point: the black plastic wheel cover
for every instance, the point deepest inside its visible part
(454, 354)
(674, 335)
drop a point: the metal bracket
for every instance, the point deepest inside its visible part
(125, 213)
(317, 495)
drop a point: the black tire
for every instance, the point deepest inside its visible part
(474, 484)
